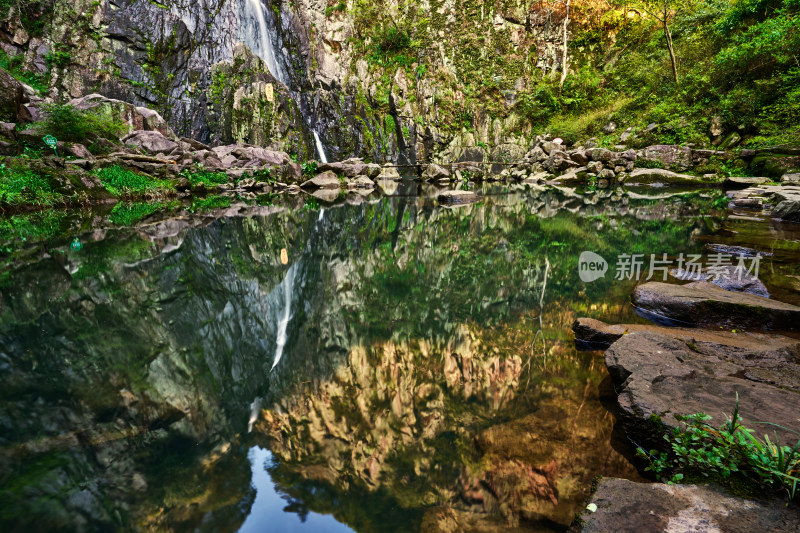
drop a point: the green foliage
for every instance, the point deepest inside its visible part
(210, 202)
(120, 181)
(698, 449)
(200, 174)
(339, 7)
(127, 213)
(68, 123)
(264, 174)
(309, 168)
(20, 186)
(13, 65)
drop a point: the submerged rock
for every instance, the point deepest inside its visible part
(705, 305)
(628, 507)
(596, 334)
(729, 279)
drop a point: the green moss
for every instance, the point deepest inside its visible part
(23, 186)
(120, 181)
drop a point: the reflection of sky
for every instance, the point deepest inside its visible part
(267, 513)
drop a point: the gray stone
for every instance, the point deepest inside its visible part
(704, 304)
(661, 374)
(648, 175)
(743, 182)
(629, 507)
(435, 173)
(325, 180)
(669, 155)
(152, 142)
(791, 178)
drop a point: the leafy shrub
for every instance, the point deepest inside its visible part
(700, 450)
(71, 124)
(123, 182)
(24, 186)
(309, 168)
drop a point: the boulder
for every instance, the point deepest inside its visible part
(669, 155)
(704, 304)
(653, 175)
(435, 173)
(325, 180)
(457, 197)
(78, 150)
(152, 142)
(600, 154)
(629, 507)
(361, 182)
(658, 377)
(787, 210)
(389, 172)
(793, 178)
(12, 97)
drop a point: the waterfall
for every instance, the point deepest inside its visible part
(320, 148)
(280, 340)
(255, 33)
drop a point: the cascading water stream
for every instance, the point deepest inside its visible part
(283, 323)
(256, 35)
(320, 148)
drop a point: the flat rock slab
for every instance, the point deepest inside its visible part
(596, 334)
(628, 507)
(649, 175)
(457, 197)
(665, 376)
(704, 304)
(743, 182)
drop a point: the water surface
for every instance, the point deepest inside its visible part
(426, 375)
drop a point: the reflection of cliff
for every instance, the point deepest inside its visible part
(129, 367)
(419, 419)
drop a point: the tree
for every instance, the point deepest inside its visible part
(663, 11)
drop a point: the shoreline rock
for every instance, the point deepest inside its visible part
(704, 304)
(629, 507)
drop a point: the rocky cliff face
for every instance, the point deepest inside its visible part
(386, 81)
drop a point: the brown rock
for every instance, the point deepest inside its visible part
(628, 507)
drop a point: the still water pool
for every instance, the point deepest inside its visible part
(409, 367)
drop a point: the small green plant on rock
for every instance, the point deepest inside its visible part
(309, 168)
(729, 454)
